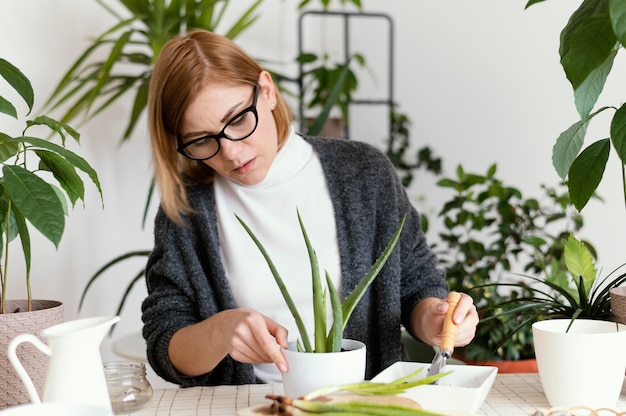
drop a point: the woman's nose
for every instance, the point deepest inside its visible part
(230, 148)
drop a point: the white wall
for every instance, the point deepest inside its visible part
(480, 80)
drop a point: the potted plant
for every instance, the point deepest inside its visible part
(328, 343)
(578, 344)
(38, 178)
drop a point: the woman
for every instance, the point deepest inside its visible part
(223, 145)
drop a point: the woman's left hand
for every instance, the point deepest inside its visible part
(431, 312)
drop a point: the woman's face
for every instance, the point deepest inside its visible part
(245, 161)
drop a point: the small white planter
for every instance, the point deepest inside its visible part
(310, 371)
(583, 367)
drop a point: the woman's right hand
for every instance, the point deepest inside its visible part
(246, 335)
(251, 337)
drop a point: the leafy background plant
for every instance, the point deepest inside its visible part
(38, 178)
(492, 231)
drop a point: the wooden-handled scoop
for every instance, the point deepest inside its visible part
(447, 341)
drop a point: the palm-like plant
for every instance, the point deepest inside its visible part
(586, 295)
(132, 46)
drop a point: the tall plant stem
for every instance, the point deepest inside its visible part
(7, 224)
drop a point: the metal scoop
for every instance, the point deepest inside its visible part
(447, 341)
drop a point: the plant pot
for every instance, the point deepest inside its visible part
(583, 367)
(617, 296)
(528, 365)
(310, 371)
(45, 313)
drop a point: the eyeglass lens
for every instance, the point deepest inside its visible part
(240, 127)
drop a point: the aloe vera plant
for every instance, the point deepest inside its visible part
(327, 339)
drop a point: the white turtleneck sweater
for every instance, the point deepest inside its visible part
(294, 182)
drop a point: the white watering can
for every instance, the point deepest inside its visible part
(75, 371)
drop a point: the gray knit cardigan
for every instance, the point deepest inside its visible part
(187, 283)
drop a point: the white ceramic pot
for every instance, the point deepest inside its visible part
(310, 371)
(583, 367)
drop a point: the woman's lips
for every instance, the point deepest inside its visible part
(246, 167)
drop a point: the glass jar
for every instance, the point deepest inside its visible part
(128, 386)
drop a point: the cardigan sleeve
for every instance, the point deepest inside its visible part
(186, 284)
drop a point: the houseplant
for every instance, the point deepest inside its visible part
(589, 43)
(328, 338)
(38, 178)
(491, 228)
(572, 328)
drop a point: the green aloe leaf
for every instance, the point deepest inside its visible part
(333, 342)
(36, 200)
(281, 285)
(587, 171)
(319, 305)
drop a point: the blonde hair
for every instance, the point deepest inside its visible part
(186, 64)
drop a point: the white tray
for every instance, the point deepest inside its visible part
(460, 393)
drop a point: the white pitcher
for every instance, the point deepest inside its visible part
(75, 371)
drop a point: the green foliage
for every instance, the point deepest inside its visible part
(489, 228)
(398, 146)
(130, 48)
(593, 36)
(583, 296)
(331, 341)
(317, 80)
(27, 191)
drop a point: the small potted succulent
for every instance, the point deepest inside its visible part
(329, 359)
(38, 177)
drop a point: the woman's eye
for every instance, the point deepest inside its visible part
(199, 142)
(239, 120)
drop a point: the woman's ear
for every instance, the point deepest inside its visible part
(268, 89)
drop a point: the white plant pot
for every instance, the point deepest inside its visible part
(583, 367)
(310, 371)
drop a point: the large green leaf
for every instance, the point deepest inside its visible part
(587, 42)
(18, 81)
(36, 200)
(618, 132)
(586, 95)
(77, 161)
(586, 172)
(65, 173)
(617, 11)
(7, 108)
(569, 143)
(8, 148)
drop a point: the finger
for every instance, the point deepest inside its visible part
(271, 351)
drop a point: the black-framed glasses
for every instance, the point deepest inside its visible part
(239, 127)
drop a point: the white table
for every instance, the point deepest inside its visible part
(511, 395)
